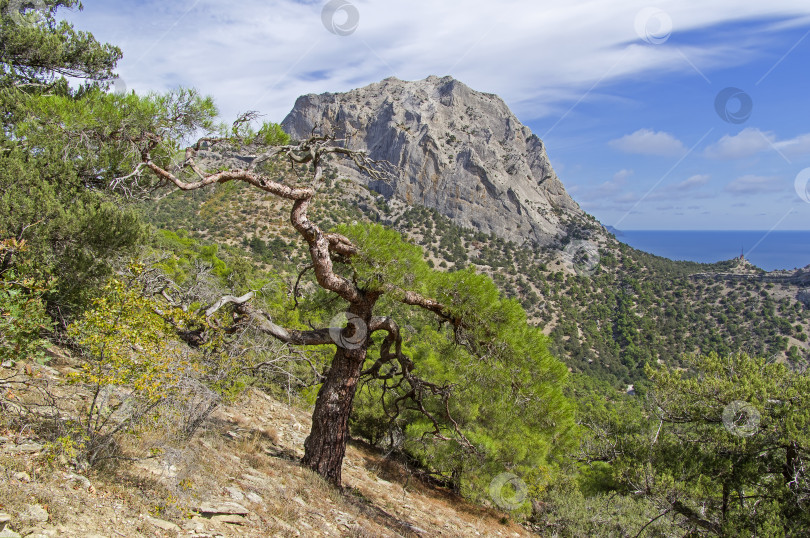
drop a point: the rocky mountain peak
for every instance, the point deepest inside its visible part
(454, 149)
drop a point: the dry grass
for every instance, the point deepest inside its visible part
(247, 453)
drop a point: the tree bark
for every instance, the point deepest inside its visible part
(325, 447)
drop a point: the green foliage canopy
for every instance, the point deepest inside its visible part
(720, 448)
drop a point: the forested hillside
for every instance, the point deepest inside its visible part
(608, 317)
(177, 293)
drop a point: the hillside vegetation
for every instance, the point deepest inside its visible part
(628, 309)
(171, 312)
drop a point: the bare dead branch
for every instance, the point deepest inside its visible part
(298, 282)
(301, 338)
(228, 299)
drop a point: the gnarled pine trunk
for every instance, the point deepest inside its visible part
(326, 445)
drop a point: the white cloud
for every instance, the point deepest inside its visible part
(622, 175)
(607, 190)
(692, 183)
(795, 147)
(751, 141)
(617, 194)
(686, 189)
(611, 195)
(648, 142)
(746, 143)
(626, 198)
(753, 184)
(540, 57)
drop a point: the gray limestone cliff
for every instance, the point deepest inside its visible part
(453, 149)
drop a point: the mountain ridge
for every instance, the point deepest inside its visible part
(454, 149)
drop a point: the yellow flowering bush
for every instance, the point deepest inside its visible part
(135, 368)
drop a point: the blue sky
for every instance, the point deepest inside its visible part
(631, 98)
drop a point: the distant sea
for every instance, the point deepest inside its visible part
(770, 251)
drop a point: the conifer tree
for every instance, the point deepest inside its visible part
(373, 273)
(54, 168)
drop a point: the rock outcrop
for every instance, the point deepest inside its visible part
(456, 150)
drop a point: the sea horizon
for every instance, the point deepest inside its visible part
(769, 250)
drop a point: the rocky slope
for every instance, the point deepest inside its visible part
(238, 476)
(453, 149)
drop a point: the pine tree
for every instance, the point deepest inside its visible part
(514, 386)
(54, 169)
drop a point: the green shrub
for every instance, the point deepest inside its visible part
(272, 134)
(22, 309)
